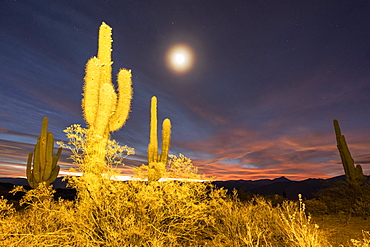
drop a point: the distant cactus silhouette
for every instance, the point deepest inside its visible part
(104, 111)
(45, 168)
(157, 163)
(353, 174)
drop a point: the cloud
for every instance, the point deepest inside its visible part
(242, 154)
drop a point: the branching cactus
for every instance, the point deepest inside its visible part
(157, 163)
(353, 174)
(45, 168)
(104, 110)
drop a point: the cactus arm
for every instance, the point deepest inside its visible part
(359, 173)
(43, 148)
(104, 56)
(56, 157)
(37, 162)
(48, 156)
(121, 113)
(90, 101)
(30, 177)
(105, 49)
(346, 157)
(153, 138)
(338, 133)
(32, 182)
(53, 175)
(29, 162)
(166, 138)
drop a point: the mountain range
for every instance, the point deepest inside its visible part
(280, 186)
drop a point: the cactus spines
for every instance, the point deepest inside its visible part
(45, 168)
(157, 163)
(353, 174)
(104, 110)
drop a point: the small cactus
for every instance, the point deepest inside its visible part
(353, 174)
(157, 163)
(45, 168)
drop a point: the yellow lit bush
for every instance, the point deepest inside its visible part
(171, 213)
(365, 242)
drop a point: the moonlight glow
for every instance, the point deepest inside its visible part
(180, 58)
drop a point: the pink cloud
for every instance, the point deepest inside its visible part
(241, 154)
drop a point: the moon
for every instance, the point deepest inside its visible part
(180, 58)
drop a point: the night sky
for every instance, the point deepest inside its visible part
(268, 79)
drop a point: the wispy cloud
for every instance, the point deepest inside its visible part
(238, 154)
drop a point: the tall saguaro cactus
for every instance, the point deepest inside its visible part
(104, 110)
(45, 168)
(353, 174)
(157, 163)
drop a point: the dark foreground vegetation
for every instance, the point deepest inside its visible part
(180, 214)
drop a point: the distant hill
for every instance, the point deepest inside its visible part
(57, 184)
(307, 188)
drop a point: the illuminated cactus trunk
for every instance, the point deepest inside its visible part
(353, 174)
(157, 163)
(45, 168)
(104, 111)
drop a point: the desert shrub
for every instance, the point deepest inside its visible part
(258, 223)
(77, 144)
(171, 213)
(316, 207)
(365, 242)
(348, 198)
(244, 223)
(275, 199)
(6, 208)
(180, 166)
(297, 227)
(245, 195)
(41, 223)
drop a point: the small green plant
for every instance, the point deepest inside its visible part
(45, 168)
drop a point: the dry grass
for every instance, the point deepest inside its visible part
(168, 213)
(342, 228)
